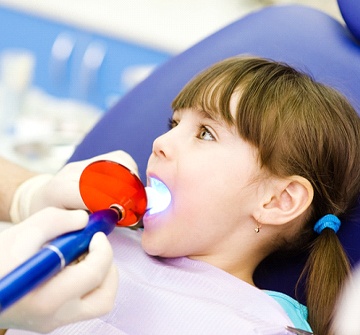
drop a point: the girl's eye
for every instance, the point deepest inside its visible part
(205, 134)
(172, 123)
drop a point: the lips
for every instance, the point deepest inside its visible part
(159, 196)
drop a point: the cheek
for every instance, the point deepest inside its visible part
(195, 221)
(194, 201)
(202, 208)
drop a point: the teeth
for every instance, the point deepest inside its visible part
(158, 196)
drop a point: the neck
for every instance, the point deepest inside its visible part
(241, 263)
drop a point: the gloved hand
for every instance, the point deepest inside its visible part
(347, 320)
(81, 291)
(61, 190)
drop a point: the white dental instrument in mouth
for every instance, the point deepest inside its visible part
(158, 196)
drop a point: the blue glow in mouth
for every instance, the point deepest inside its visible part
(158, 196)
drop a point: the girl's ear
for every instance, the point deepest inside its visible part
(285, 199)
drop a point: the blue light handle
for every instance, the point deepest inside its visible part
(53, 257)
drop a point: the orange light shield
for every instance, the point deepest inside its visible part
(105, 183)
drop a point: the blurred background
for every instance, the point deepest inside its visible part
(65, 63)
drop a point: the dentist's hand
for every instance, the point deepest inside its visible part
(81, 291)
(61, 190)
(347, 320)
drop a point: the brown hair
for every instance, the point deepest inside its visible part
(300, 127)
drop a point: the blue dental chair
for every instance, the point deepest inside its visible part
(303, 37)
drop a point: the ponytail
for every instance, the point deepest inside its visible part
(325, 271)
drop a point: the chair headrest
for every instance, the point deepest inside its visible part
(350, 11)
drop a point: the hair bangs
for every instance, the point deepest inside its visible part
(210, 92)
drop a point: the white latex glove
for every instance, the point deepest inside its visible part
(61, 190)
(347, 321)
(79, 292)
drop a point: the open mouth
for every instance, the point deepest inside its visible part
(158, 196)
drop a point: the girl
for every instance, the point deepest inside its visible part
(257, 157)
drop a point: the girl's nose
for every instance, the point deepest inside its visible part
(161, 146)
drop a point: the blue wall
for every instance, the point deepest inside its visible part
(72, 77)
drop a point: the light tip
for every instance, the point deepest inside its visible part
(158, 196)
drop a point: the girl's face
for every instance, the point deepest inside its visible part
(210, 172)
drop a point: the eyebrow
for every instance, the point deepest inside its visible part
(217, 119)
(204, 114)
(207, 115)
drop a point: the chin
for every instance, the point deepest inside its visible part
(158, 249)
(150, 247)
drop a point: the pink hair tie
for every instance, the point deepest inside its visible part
(328, 221)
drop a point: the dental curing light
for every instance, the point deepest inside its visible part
(115, 196)
(102, 184)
